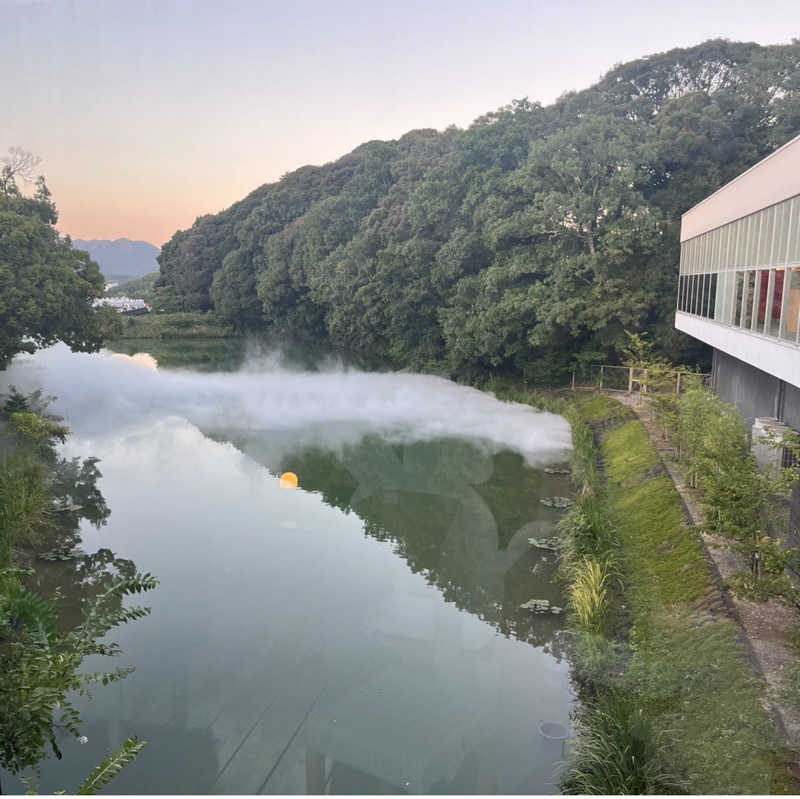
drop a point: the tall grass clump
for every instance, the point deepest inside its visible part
(617, 752)
(24, 502)
(583, 459)
(586, 530)
(589, 594)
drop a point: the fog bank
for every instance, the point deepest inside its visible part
(103, 392)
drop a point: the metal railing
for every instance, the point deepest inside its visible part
(635, 380)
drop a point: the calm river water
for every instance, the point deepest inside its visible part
(359, 634)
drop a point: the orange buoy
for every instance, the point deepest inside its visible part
(288, 480)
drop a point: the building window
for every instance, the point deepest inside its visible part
(712, 296)
(774, 303)
(791, 305)
(763, 287)
(747, 299)
(738, 302)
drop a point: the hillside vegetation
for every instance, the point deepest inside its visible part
(141, 288)
(524, 243)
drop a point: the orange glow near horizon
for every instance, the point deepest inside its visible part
(92, 213)
(148, 115)
(88, 220)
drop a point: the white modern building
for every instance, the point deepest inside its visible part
(123, 304)
(739, 292)
(739, 286)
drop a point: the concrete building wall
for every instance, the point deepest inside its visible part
(781, 359)
(751, 391)
(791, 406)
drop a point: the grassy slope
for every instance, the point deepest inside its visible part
(690, 670)
(174, 325)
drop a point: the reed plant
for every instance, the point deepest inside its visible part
(598, 662)
(589, 593)
(618, 752)
(586, 530)
(583, 464)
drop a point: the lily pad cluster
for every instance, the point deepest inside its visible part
(541, 606)
(544, 543)
(556, 502)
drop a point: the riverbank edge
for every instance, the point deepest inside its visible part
(670, 642)
(767, 625)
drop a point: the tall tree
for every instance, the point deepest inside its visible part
(46, 287)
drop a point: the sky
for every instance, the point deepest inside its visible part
(149, 113)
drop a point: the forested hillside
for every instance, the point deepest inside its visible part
(532, 239)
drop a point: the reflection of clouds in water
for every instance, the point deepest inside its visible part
(332, 409)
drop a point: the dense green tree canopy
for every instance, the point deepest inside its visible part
(46, 286)
(533, 238)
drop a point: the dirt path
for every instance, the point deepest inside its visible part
(765, 625)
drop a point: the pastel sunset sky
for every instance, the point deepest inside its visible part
(149, 113)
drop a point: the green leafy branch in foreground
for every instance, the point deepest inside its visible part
(103, 773)
(111, 766)
(39, 667)
(42, 501)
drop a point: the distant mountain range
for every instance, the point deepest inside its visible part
(121, 259)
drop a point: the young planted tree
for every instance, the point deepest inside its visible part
(743, 503)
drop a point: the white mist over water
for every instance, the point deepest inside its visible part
(104, 392)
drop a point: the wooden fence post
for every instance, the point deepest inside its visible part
(630, 380)
(573, 380)
(602, 368)
(678, 384)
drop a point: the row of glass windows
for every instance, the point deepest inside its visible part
(761, 300)
(770, 237)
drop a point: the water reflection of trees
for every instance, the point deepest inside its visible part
(456, 514)
(59, 567)
(57, 607)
